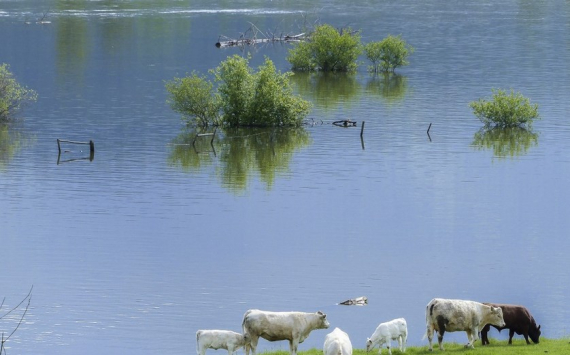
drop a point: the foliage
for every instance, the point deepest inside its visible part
(244, 97)
(388, 54)
(193, 97)
(505, 110)
(505, 141)
(13, 96)
(327, 49)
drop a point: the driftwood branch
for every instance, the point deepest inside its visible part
(253, 35)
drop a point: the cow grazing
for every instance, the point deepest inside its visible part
(274, 326)
(218, 339)
(396, 329)
(337, 342)
(444, 315)
(517, 320)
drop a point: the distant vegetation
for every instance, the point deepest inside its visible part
(388, 54)
(505, 110)
(13, 96)
(327, 49)
(244, 97)
(331, 50)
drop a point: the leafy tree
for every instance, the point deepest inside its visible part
(505, 110)
(388, 54)
(244, 97)
(13, 96)
(236, 89)
(193, 97)
(274, 101)
(327, 49)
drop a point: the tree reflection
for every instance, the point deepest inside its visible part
(10, 143)
(235, 154)
(505, 142)
(327, 90)
(389, 86)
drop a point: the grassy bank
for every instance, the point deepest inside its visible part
(519, 347)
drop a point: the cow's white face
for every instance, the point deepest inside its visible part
(368, 345)
(324, 322)
(497, 317)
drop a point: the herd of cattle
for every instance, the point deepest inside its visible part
(442, 315)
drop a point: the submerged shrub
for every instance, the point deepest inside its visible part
(13, 96)
(505, 110)
(388, 54)
(194, 98)
(327, 49)
(244, 97)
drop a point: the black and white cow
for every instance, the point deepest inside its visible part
(445, 315)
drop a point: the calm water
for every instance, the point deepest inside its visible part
(150, 241)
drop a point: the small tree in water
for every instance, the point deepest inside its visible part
(327, 49)
(13, 96)
(388, 54)
(505, 110)
(243, 97)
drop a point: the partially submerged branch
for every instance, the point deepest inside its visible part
(251, 37)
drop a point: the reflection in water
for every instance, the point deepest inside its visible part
(389, 86)
(10, 143)
(327, 90)
(505, 142)
(332, 90)
(236, 153)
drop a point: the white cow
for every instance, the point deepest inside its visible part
(337, 342)
(396, 329)
(459, 315)
(218, 339)
(274, 326)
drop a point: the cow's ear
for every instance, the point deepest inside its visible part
(321, 313)
(538, 327)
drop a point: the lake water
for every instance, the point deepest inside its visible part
(135, 250)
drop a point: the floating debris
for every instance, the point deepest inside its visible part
(359, 301)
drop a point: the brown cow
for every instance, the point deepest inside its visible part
(518, 320)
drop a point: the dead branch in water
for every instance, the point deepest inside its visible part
(253, 35)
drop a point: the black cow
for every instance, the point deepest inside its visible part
(518, 320)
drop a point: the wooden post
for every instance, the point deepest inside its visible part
(362, 129)
(91, 147)
(58, 146)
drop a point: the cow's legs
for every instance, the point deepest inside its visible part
(440, 338)
(429, 334)
(484, 331)
(511, 334)
(252, 345)
(293, 345)
(525, 334)
(389, 349)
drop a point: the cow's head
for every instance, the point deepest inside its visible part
(324, 323)
(496, 317)
(534, 333)
(369, 344)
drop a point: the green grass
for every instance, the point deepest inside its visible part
(519, 347)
